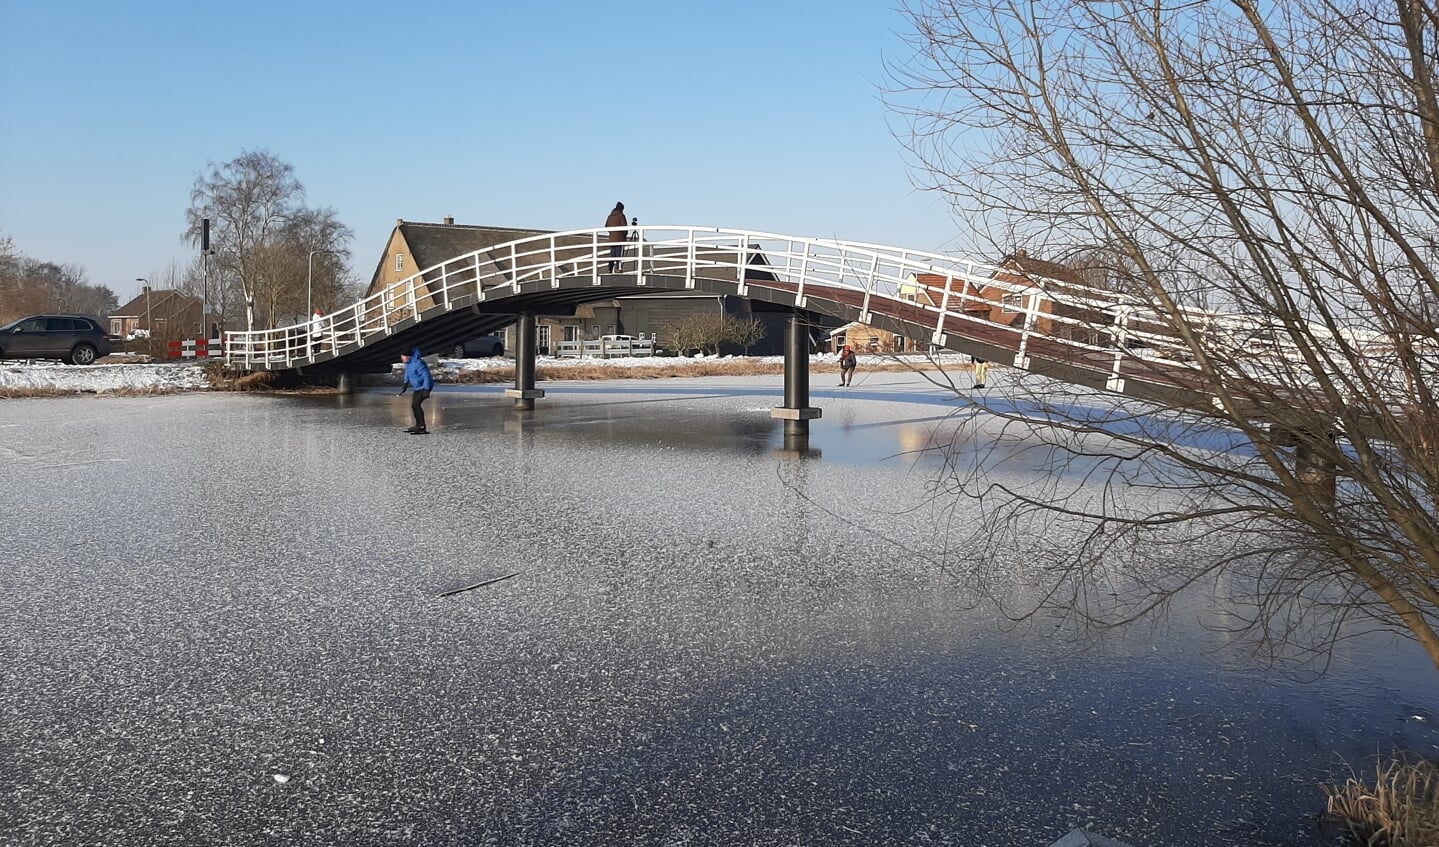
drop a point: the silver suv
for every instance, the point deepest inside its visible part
(73, 339)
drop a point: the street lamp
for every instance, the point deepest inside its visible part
(309, 280)
(149, 329)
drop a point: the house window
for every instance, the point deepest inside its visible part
(543, 333)
(399, 263)
(595, 331)
(1014, 302)
(572, 332)
(874, 342)
(612, 330)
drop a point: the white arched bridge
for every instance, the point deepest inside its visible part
(1078, 334)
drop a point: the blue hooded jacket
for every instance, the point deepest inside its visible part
(417, 373)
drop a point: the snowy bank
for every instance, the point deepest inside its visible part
(49, 377)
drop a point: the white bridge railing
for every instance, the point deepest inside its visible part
(880, 274)
(945, 295)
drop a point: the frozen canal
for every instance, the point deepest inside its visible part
(221, 622)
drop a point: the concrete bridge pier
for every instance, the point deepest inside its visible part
(796, 411)
(1314, 465)
(524, 391)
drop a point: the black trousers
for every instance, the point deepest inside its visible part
(416, 399)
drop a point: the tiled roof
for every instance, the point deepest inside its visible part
(431, 244)
(1020, 266)
(160, 301)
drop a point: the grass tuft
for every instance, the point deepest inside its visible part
(1399, 809)
(256, 381)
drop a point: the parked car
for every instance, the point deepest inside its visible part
(73, 339)
(479, 348)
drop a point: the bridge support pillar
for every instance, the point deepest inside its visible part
(796, 411)
(524, 391)
(1314, 465)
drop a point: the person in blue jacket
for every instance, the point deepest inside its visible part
(417, 376)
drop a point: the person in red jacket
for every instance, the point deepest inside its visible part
(619, 234)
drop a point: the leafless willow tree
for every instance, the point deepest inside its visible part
(1274, 161)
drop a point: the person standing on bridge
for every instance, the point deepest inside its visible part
(417, 376)
(981, 371)
(619, 234)
(317, 329)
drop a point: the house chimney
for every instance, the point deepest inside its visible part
(449, 220)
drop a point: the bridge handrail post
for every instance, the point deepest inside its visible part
(514, 267)
(1031, 317)
(743, 258)
(690, 260)
(1120, 336)
(943, 307)
(554, 264)
(789, 264)
(869, 289)
(595, 271)
(804, 264)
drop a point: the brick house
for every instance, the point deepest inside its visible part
(1006, 305)
(165, 314)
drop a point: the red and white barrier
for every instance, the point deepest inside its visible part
(190, 348)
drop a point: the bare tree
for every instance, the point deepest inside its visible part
(262, 232)
(1276, 162)
(708, 332)
(31, 285)
(746, 333)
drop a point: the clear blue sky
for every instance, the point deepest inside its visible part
(760, 115)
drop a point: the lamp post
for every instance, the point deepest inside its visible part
(149, 327)
(309, 280)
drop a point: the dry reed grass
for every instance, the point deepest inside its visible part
(255, 381)
(1400, 808)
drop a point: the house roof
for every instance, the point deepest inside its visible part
(431, 243)
(1019, 266)
(163, 301)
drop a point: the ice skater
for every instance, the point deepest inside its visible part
(417, 376)
(847, 363)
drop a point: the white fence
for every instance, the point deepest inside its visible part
(605, 348)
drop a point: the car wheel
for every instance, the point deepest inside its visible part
(459, 351)
(83, 354)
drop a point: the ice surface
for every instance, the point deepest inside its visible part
(711, 640)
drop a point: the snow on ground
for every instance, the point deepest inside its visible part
(104, 378)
